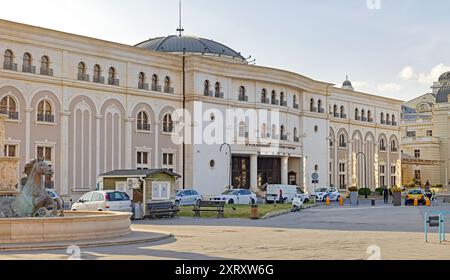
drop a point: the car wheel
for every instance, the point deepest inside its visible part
(198, 201)
(177, 202)
(295, 209)
(231, 201)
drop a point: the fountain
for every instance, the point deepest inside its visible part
(29, 215)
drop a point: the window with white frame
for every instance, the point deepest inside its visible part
(393, 175)
(382, 176)
(10, 150)
(342, 176)
(142, 160)
(168, 161)
(160, 190)
(44, 153)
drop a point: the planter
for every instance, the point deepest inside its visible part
(354, 198)
(397, 198)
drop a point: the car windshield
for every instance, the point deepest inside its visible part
(322, 190)
(179, 193)
(118, 196)
(230, 192)
(415, 192)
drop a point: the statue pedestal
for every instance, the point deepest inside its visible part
(8, 176)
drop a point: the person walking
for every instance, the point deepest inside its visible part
(281, 201)
(386, 195)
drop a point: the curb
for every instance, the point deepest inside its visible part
(284, 212)
(89, 243)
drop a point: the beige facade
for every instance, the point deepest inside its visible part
(89, 106)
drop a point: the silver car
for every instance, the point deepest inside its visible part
(104, 201)
(187, 197)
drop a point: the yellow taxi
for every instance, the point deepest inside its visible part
(415, 194)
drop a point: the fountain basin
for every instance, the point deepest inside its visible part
(75, 226)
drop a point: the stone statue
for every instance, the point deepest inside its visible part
(33, 200)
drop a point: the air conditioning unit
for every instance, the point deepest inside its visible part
(133, 183)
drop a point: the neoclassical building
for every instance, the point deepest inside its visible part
(426, 132)
(90, 106)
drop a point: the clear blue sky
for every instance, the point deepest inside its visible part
(395, 51)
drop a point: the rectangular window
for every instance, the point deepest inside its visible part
(142, 160)
(342, 176)
(44, 153)
(382, 169)
(10, 151)
(417, 153)
(160, 190)
(429, 133)
(417, 175)
(393, 175)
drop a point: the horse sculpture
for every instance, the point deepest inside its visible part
(33, 201)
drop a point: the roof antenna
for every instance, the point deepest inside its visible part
(180, 28)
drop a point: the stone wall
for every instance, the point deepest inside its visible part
(8, 166)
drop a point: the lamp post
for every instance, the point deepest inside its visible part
(365, 170)
(229, 164)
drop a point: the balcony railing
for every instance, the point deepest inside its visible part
(283, 103)
(336, 115)
(357, 118)
(296, 106)
(10, 66)
(283, 138)
(169, 90)
(364, 119)
(342, 145)
(84, 77)
(113, 82)
(265, 100)
(275, 102)
(99, 80)
(297, 139)
(394, 123)
(45, 118)
(219, 95)
(29, 69)
(208, 93)
(11, 115)
(143, 126)
(143, 86)
(46, 72)
(321, 110)
(243, 98)
(370, 120)
(343, 116)
(313, 109)
(156, 88)
(383, 122)
(388, 122)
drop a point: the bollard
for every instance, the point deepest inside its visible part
(427, 201)
(328, 201)
(416, 202)
(254, 212)
(341, 201)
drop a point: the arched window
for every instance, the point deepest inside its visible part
(312, 104)
(382, 144)
(394, 147)
(168, 123)
(155, 82)
(45, 112)
(264, 131)
(388, 119)
(242, 96)
(242, 129)
(369, 116)
(282, 99)
(141, 83)
(343, 112)
(319, 106)
(218, 88)
(142, 121)
(8, 106)
(383, 121)
(167, 85)
(82, 72)
(342, 141)
(8, 61)
(282, 133)
(264, 98)
(357, 114)
(274, 98)
(294, 101)
(363, 115)
(27, 65)
(274, 131)
(335, 111)
(112, 77)
(206, 88)
(45, 63)
(97, 74)
(393, 120)
(296, 138)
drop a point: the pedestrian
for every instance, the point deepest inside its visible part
(386, 195)
(281, 197)
(427, 186)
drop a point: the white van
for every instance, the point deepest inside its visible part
(273, 193)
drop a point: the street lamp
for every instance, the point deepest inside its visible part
(365, 170)
(230, 162)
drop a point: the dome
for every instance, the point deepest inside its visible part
(189, 44)
(347, 84)
(442, 95)
(444, 77)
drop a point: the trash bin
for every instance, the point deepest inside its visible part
(254, 212)
(373, 201)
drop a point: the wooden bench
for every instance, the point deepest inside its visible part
(162, 209)
(210, 206)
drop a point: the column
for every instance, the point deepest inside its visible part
(336, 166)
(388, 166)
(350, 165)
(128, 142)
(98, 119)
(284, 170)
(254, 172)
(27, 133)
(2, 134)
(64, 188)
(157, 150)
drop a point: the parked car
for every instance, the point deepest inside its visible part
(187, 197)
(289, 192)
(103, 201)
(415, 194)
(237, 196)
(56, 197)
(323, 193)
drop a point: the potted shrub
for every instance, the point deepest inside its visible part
(397, 194)
(353, 195)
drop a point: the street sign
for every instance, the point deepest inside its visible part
(315, 178)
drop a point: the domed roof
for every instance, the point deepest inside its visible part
(189, 44)
(347, 84)
(444, 77)
(442, 95)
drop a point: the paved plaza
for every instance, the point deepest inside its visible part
(319, 233)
